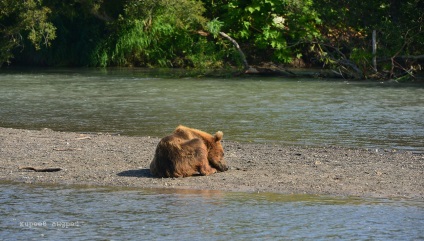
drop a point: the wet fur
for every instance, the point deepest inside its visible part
(187, 152)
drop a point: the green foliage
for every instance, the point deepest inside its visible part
(362, 58)
(186, 33)
(399, 26)
(275, 26)
(207, 54)
(157, 33)
(20, 19)
(40, 31)
(403, 34)
(214, 27)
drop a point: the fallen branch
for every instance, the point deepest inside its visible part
(237, 46)
(41, 169)
(67, 149)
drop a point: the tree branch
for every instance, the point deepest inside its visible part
(236, 45)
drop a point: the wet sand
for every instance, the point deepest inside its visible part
(101, 159)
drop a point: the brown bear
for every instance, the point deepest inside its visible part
(187, 152)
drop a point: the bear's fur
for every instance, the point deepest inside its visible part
(187, 152)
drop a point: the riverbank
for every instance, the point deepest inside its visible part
(112, 160)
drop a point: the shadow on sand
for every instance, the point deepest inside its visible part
(136, 173)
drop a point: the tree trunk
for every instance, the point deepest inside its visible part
(236, 45)
(374, 50)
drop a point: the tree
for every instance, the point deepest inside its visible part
(20, 20)
(346, 34)
(157, 32)
(177, 33)
(269, 27)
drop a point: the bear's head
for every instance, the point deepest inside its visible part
(216, 153)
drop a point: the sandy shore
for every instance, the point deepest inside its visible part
(110, 160)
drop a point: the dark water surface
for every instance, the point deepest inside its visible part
(151, 103)
(34, 212)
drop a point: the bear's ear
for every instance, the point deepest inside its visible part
(218, 136)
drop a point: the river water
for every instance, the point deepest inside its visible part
(151, 103)
(34, 212)
(292, 111)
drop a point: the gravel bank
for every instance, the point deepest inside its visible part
(110, 160)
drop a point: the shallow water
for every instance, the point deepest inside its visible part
(34, 212)
(149, 103)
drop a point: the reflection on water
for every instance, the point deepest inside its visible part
(31, 212)
(296, 111)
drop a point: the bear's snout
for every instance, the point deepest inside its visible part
(222, 167)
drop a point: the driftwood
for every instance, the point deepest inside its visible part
(41, 169)
(67, 149)
(349, 68)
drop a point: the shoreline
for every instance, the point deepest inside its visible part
(123, 161)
